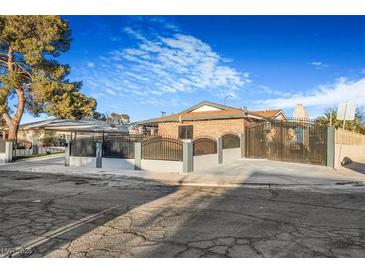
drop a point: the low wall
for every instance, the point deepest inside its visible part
(117, 163)
(162, 166)
(83, 161)
(355, 152)
(205, 161)
(231, 154)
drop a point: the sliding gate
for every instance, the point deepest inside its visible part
(300, 141)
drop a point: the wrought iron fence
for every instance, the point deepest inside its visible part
(298, 140)
(119, 147)
(162, 148)
(85, 147)
(230, 141)
(204, 146)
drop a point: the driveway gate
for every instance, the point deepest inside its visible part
(300, 141)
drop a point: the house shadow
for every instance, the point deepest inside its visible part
(244, 221)
(264, 221)
(356, 166)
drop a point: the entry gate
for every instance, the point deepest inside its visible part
(301, 141)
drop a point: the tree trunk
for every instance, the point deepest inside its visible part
(13, 131)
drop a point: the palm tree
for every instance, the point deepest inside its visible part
(357, 125)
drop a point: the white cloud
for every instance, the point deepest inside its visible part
(110, 91)
(90, 64)
(343, 90)
(179, 63)
(164, 63)
(318, 64)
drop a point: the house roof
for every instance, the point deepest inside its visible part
(85, 124)
(267, 114)
(221, 112)
(207, 103)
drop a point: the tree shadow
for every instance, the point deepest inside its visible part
(41, 212)
(250, 221)
(261, 222)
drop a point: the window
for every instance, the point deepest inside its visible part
(186, 132)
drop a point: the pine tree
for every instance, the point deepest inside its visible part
(30, 73)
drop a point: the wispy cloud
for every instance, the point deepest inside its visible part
(159, 64)
(343, 90)
(318, 64)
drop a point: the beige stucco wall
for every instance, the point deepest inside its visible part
(355, 152)
(162, 166)
(212, 128)
(205, 161)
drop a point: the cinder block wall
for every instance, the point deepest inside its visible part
(211, 128)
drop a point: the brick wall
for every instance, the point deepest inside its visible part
(212, 128)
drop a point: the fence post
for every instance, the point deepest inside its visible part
(8, 152)
(220, 150)
(137, 156)
(67, 153)
(242, 145)
(34, 146)
(187, 157)
(331, 144)
(99, 154)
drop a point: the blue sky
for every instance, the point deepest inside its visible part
(142, 65)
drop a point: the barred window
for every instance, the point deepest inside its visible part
(186, 132)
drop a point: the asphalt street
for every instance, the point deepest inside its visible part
(50, 215)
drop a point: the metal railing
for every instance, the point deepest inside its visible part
(230, 141)
(204, 146)
(162, 148)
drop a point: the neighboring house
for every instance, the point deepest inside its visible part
(206, 119)
(59, 128)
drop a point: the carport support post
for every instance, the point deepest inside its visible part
(67, 153)
(137, 156)
(8, 152)
(331, 133)
(99, 155)
(220, 150)
(187, 157)
(242, 145)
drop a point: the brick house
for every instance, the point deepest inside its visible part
(206, 119)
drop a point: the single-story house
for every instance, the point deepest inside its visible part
(206, 119)
(59, 128)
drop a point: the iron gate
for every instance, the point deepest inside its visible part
(301, 141)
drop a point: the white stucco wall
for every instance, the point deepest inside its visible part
(205, 161)
(355, 152)
(83, 161)
(162, 166)
(231, 154)
(116, 163)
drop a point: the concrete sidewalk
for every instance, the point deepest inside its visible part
(241, 172)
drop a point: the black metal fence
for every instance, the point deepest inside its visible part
(298, 140)
(230, 141)
(120, 147)
(85, 147)
(162, 148)
(204, 146)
